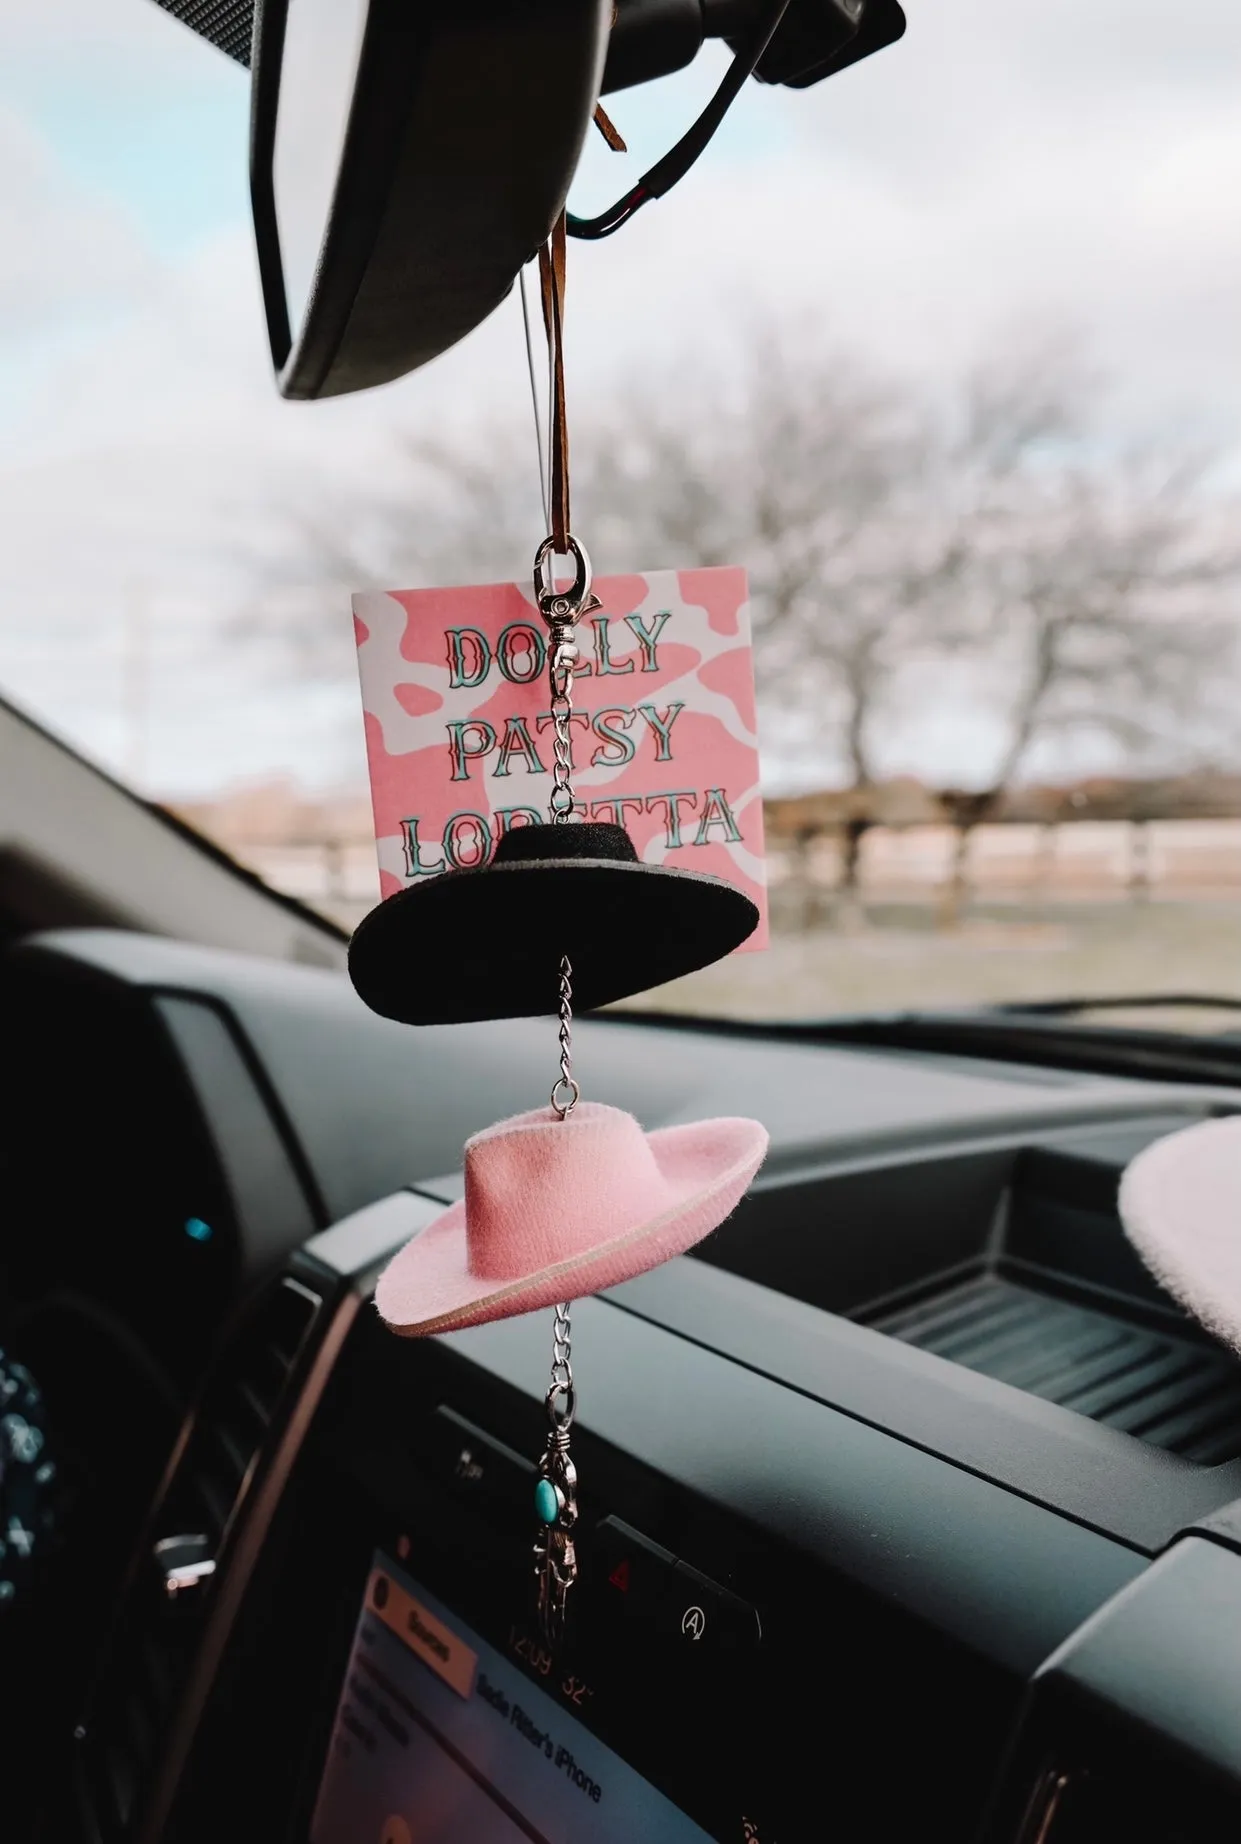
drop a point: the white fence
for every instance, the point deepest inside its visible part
(1080, 861)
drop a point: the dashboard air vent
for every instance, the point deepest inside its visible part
(235, 1413)
(1171, 1392)
(162, 1620)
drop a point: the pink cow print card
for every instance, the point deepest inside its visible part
(459, 731)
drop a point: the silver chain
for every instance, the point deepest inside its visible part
(560, 1397)
(555, 1552)
(562, 610)
(562, 658)
(566, 1093)
(562, 757)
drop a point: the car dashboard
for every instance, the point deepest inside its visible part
(910, 1505)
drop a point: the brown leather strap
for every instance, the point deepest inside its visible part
(610, 132)
(551, 278)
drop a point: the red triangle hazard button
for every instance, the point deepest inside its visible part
(619, 1577)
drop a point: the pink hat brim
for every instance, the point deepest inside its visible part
(1180, 1202)
(428, 1286)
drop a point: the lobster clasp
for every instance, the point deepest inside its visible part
(561, 608)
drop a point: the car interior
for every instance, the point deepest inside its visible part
(910, 1501)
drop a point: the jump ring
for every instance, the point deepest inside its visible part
(569, 1095)
(561, 1404)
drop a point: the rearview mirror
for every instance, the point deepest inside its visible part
(405, 161)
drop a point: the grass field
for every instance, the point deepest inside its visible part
(898, 958)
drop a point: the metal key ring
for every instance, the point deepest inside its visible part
(561, 1400)
(561, 605)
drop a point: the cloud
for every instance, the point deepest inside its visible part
(999, 165)
(1001, 168)
(70, 255)
(82, 31)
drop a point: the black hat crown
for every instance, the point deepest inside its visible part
(586, 839)
(486, 941)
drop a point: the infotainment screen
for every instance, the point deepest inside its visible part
(439, 1739)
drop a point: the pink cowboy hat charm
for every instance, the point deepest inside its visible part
(555, 1209)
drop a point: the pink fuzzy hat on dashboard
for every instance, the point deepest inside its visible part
(555, 1209)
(1180, 1202)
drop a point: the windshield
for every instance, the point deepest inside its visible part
(943, 350)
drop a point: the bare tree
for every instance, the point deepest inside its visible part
(1098, 591)
(883, 532)
(826, 480)
(821, 476)
(439, 512)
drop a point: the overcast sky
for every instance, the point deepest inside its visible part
(1010, 164)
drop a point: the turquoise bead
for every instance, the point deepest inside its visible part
(546, 1501)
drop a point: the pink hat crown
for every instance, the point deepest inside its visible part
(554, 1209)
(540, 1190)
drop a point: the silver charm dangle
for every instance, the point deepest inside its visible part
(555, 1494)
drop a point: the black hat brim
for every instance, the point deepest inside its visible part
(477, 944)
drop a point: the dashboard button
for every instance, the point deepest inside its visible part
(707, 1618)
(477, 1467)
(634, 1576)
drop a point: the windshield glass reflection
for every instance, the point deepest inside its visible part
(943, 351)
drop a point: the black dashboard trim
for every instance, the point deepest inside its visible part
(759, 1433)
(339, 1308)
(1004, 1035)
(1188, 1604)
(995, 1571)
(276, 1201)
(1087, 1472)
(256, 1070)
(1100, 1479)
(1135, 1715)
